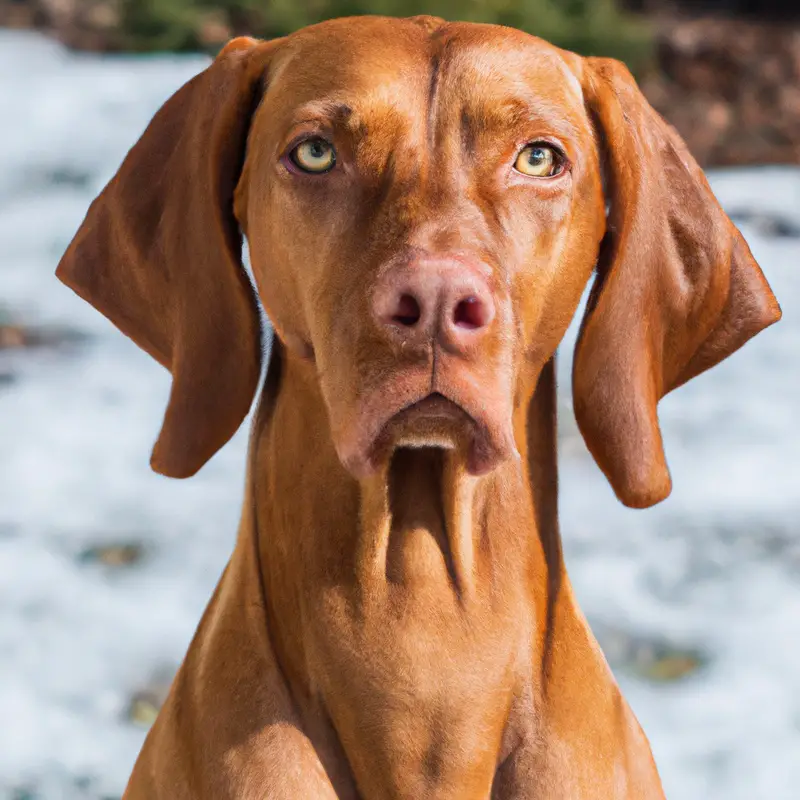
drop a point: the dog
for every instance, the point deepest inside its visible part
(424, 203)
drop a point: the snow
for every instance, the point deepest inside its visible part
(717, 566)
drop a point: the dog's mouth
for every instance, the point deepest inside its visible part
(463, 407)
(433, 421)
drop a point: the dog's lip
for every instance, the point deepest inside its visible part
(433, 420)
(441, 421)
(463, 408)
(433, 406)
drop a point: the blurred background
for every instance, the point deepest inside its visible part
(105, 567)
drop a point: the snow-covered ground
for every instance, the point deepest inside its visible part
(716, 567)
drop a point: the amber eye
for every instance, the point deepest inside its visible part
(314, 155)
(539, 161)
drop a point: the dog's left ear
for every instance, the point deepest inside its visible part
(159, 254)
(677, 288)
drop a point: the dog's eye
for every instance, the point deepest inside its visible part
(314, 155)
(539, 161)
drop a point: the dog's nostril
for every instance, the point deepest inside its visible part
(408, 311)
(470, 313)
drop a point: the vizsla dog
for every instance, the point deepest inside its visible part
(424, 204)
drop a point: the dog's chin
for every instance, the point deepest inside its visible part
(433, 421)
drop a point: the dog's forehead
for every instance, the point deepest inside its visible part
(491, 60)
(388, 62)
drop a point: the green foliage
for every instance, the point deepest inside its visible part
(589, 27)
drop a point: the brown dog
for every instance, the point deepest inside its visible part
(424, 203)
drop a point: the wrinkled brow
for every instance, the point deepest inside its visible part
(515, 113)
(336, 112)
(377, 114)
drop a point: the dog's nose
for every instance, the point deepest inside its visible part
(434, 300)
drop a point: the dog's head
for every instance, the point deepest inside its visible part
(424, 204)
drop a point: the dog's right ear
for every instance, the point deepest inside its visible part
(159, 254)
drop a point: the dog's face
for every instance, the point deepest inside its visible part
(423, 213)
(424, 205)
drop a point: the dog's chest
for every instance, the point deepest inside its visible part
(418, 689)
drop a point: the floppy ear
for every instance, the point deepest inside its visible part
(677, 288)
(159, 254)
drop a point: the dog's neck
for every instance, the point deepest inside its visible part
(425, 516)
(423, 490)
(418, 539)
(422, 582)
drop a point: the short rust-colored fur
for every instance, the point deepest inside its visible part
(393, 623)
